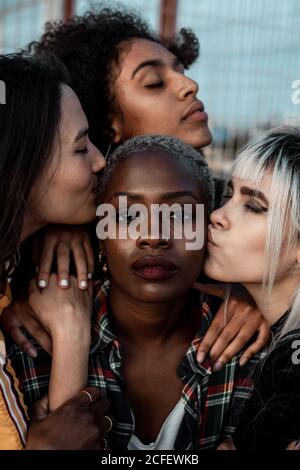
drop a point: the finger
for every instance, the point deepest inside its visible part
(40, 409)
(258, 345)
(36, 330)
(23, 343)
(211, 335)
(100, 409)
(81, 266)
(234, 348)
(33, 287)
(295, 445)
(89, 253)
(106, 423)
(87, 399)
(63, 265)
(226, 337)
(46, 263)
(218, 290)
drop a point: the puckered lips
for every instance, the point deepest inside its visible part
(154, 268)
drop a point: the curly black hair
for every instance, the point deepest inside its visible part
(90, 47)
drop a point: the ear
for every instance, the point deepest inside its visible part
(117, 126)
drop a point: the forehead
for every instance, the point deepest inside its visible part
(262, 184)
(153, 174)
(73, 118)
(140, 50)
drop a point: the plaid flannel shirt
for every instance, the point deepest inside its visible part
(212, 399)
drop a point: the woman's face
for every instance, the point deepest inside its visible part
(66, 192)
(237, 235)
(150, 178)
(153, 96)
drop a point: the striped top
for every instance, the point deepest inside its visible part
(13, 412)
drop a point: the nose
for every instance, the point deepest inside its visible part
(219, 219)
(153, 243)
(98, 160)
(187, 87)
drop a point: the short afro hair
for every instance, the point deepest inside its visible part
(90, 47)
(171, 146)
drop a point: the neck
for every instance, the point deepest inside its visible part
(154, 324)
(280, 300)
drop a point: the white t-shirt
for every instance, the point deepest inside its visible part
(167, 435)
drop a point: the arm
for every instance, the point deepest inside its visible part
(66, 315)
(234, 325)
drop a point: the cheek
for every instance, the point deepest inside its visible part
(147, 115)
(117, 254)
(75, 176)
(240, 258)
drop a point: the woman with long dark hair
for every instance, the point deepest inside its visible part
(49, 174)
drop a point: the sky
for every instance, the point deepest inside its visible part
(249, 52)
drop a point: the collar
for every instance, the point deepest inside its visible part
(104, 337)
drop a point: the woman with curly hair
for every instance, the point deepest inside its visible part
(132, 82)
(128, 78)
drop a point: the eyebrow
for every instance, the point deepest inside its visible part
(251, 192)
(163, 197)
(81, 134)
(154, 63)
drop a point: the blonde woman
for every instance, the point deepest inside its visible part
(254, 240)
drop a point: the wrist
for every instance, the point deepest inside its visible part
(74, 322)
(77, 331)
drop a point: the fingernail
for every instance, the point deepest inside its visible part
(64, 283)
(90, 276)
(217, 366)
(43, 283)
(32, 352)
(243, 362)
(200, 357)
(297, 445)
(83, 285)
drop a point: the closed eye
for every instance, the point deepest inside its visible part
(155, 85)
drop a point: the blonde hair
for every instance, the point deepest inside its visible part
(277, 153)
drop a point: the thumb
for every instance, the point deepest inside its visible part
(218, 290)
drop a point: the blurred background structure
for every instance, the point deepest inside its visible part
(250, 56)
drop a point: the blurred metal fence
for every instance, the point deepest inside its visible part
(249, 56)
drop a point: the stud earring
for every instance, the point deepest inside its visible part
(104, 268)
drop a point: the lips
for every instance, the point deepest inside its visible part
(195, 110)
(154, 268)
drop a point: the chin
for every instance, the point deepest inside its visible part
(157, 293)
(199, 139)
